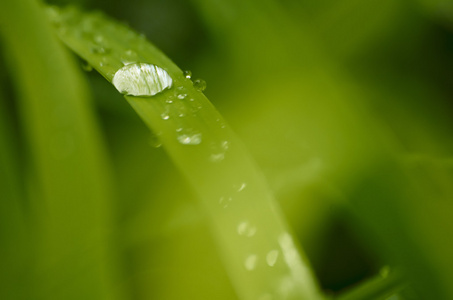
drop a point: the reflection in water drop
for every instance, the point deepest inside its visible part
(129, 57)
(272, 257)
(187, 74)
(189, 139)
(141, 80)
(165, 116)
(245, 229)
(182, 96)
(250, 262)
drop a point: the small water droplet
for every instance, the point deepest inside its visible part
(217, 157)
(99, 39)
(219, 151)
(199, 85)
(165, 116)
(250, 262)
(271, 257)
(181, 115)
(189, 138)
(154, 141)
(98, 50)
(245, 229)
(182, 96)
(225, 201)
(187, 74)
(141, 80)
(225, 145)
(179, 129)
(104, 62)
(241, 187)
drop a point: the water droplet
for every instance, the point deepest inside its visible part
(225, 201)
(104, 62)
(219, 151)
(165, 116)
(181, 115)
(154, 141)
(272, 257)
(99, 49)
(241, 187)
(199, 85)
(141, 80)
(250, 262)
(245, 229)
(178, 129)
(99, 39)
(182, 96)
(225, 145)
(187, 74)
(129, 57)
(217, 157)
(189, 138)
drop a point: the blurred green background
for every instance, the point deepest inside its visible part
(346, 107)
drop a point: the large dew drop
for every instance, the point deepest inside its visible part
(141, 80)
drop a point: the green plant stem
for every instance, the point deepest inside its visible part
(256, 245)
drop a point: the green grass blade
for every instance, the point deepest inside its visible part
(14, 254)
(376, 288)
(70, 205)
(258, 250)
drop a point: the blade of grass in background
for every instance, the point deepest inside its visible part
(343, 131)
(14, 254)
(257, 247)
(377, 288)
(70, 208)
